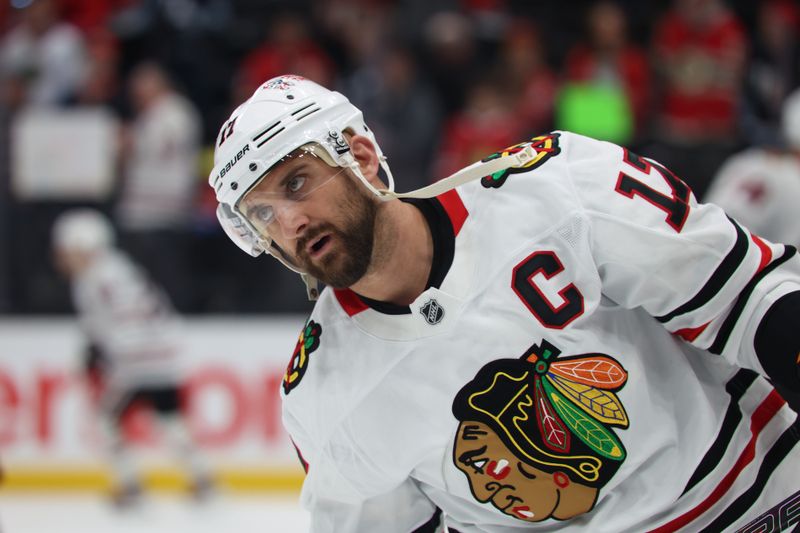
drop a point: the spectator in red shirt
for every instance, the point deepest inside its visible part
(485, 122)
(287, 48)
(700, 49)
(699, 56)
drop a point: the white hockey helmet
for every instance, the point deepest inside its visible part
(83, 230)
(284, 114)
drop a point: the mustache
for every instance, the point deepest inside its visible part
(310, 236)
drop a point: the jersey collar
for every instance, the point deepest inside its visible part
(445, 215)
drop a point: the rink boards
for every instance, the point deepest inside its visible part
(231, 373)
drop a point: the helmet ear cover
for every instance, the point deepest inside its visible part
(238, 231)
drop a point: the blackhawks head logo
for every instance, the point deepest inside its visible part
(307, 343)
(546, 146)
(535, 438)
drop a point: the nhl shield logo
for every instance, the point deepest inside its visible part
(432, 312)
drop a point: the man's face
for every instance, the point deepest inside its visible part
(496, 475)
(320, 217)
(70, 262)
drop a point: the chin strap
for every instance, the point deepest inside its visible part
(312, 286)
(473, 172)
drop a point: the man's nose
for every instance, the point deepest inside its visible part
(291, 218)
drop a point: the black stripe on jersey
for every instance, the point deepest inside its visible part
(718, 279)
(736, 387)
(772, 459)
(431, 525)
(730, 321)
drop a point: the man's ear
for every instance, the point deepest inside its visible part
(364, 152)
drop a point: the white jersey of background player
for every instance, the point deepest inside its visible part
(760, 187)
(568, 343)
(132, 335)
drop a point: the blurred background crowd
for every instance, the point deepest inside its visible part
(139, 88)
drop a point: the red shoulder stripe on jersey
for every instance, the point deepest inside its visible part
(766, 252)
(349, 301)
(455, 209)
(762, 415)
(690, 334)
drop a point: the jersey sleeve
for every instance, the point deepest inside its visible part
(700, 273)
(336, 504)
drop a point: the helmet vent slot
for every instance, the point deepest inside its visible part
(266, 131)
(296, 111)
(301, 117)
(274, 133)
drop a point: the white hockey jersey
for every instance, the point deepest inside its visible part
(130, 321)
(761, 190)
(580, 362)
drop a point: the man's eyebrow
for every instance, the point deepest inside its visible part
(292, 169)
(285, 173)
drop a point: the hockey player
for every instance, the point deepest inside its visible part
(132, 344)
(556, 338)
(761, 186)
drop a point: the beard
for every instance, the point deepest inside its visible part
(356, 237)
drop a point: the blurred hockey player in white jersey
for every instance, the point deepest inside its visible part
(556, 338)
(132, 345)
(760, 187)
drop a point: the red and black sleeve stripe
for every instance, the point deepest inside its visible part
(736, 387)
(772, 460)
(730, 321)
(718, 279)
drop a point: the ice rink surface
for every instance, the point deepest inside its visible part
(35, 512)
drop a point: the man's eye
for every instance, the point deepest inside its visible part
(263, 214)
(295, 183)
